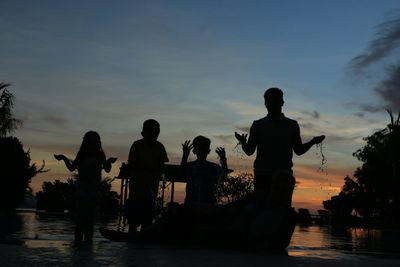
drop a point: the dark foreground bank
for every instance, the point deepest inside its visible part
(106, 253)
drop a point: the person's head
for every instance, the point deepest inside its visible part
(273, 99)
(151, 130)
(201, 147)
(91, 143)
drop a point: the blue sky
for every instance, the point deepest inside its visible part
(198, 67)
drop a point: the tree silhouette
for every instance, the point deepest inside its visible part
(235, 187)
(109, 202)
(16, 173)
(16, 169)
(58, 196)
(7, 122)
(373, 191)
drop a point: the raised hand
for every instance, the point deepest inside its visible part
(242, 138)
(186, 147)
(221, 153)
(318, 139)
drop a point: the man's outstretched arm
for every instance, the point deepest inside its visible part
(300, 148)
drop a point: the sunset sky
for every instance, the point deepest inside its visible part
(198, 67)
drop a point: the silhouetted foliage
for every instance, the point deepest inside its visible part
(16, 172)
(7, 122)
(58, 196)
(109, 203)
(373, 192)
(16, 169)
(235, 187)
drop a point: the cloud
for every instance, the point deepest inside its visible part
(313, 114)
(56, 120)
(389, 89)
(359, 114)
(370, 108)
(386, 41)
(381, 50)
(340, 138)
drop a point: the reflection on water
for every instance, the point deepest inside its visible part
(50, 236)
(332, 241)
(48, 226)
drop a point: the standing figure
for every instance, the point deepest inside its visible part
(89, 161)
(146, 162)
(275, 137)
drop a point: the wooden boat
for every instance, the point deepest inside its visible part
(276, 241)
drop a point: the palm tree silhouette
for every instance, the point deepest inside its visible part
(7, 122)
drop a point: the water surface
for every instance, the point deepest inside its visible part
(47, 241)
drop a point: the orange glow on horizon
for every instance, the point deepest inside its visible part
(312, 188)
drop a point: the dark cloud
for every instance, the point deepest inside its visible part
(334, 137)
(57, 120)
(340, 138)
(306, 122)
(313, 114)
(386, 41)
(389, 89)
(382, 50)
(370, 108)
(365, 107)
(359, 114)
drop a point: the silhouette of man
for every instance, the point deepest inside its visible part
(275, 137)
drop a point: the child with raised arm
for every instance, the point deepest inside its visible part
(146, 162)
(89, 161)
(202, 175)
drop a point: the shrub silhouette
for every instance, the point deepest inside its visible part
(373, 192)
(58, 196)
(16, 173)
(235, 187)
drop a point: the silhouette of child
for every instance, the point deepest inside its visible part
(146, 162)
(90, 161)
(202, 175)
(186, 221)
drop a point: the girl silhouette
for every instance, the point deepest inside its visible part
(89, 161)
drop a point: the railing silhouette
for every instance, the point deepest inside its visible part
(172, 175)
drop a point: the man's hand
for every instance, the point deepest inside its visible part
(242, 138)
(318, 139)
(59, 156)
(221, 153)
